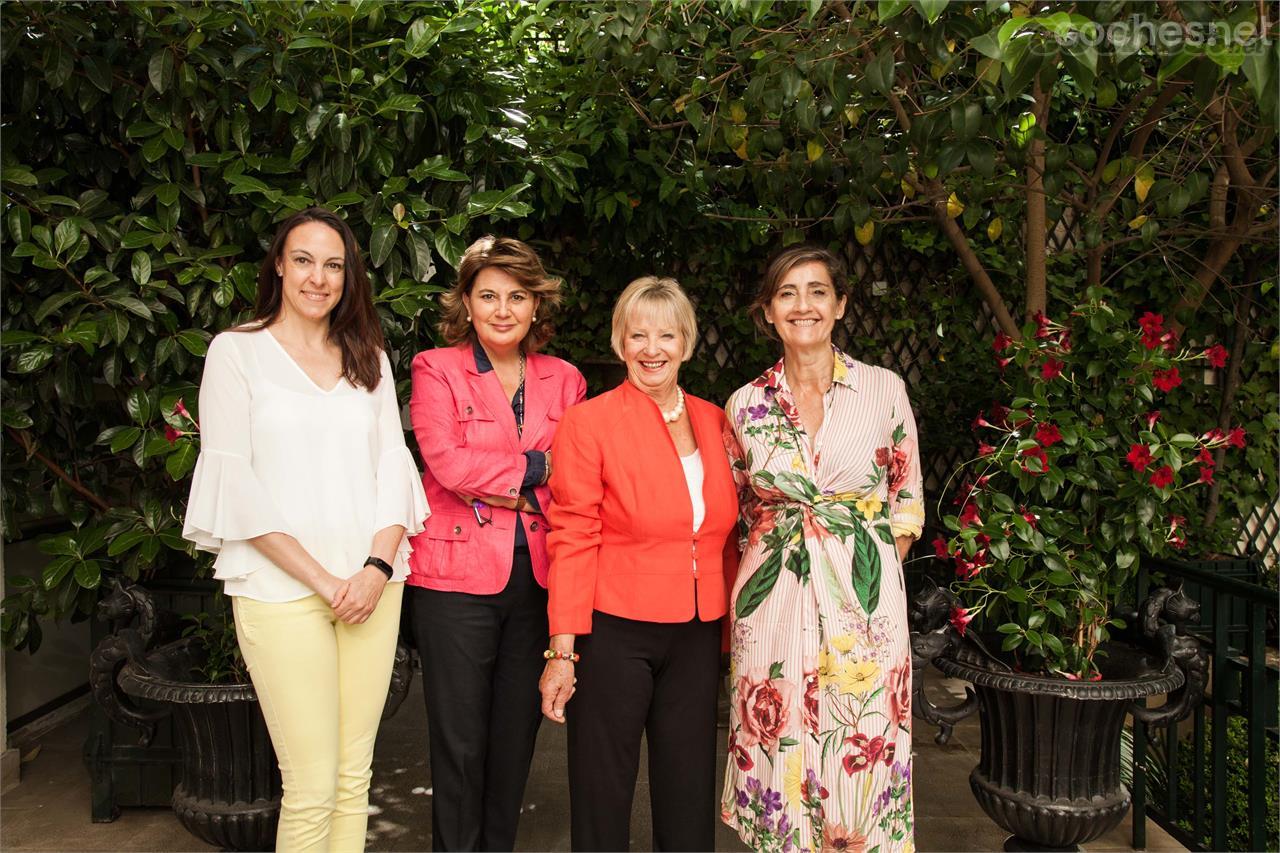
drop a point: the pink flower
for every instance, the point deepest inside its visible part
(1217, 355)
(899, 689)
(1206, 475)
(1139, 456)
(1162, 476)
(897, 473)
(1001, 342)
(969, 515)
(1048, 435)
(1152, 417)
(180, 410)
(1043, 325)
(837, 839)
(1029, 517)
(810, 710)
(970, 569)
(1167, 380)
(764, 707)
(171, 435)
(940, 548)
(985, 449)
(1051, 369)
(1235, 438)
(1214, 436)
(960, 619)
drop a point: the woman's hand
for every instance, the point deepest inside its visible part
(358, 596)
(557, 688)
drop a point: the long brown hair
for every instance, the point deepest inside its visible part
(518, 260)
(353, 323)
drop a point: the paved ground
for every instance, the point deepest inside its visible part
(49, 810)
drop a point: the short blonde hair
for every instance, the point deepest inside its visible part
(666, 296)
(518, 260)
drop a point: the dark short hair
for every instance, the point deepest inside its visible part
(353, 323)
(518, 260)
(784, 262)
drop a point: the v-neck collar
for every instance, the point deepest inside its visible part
(298, 367)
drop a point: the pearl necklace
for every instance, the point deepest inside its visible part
(674, 415)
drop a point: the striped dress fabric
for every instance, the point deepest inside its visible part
(820, 683)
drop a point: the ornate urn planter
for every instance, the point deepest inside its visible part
(1049, 762)
(229, 790)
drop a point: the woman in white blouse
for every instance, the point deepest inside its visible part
(307, 493)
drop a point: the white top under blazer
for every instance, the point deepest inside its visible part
(280, 454)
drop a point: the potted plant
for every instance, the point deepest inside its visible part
(1077, 475)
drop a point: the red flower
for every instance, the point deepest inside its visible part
(1206, 475)
(1151, 322)
(1002, 363)
(1217, 355)
(1139, 456)
(985, 449)
(1152, 417)
(960, 619)
(969, 515)
(940, 548)
(979, 421)
(1042, 325)
(180, 410)
(764, 707)
(739, 754)
(1167, 380)
(1036, 452)
(1235, 438)
(865, 752)
(899, 690)
(1030, 518)
(171, 434)
(1214, 436)
(968, 570)
(810, 710)
(1048, 435)
(1162, 476)
(999, 416)
(1001, 342)
(1051, 369)
(1177, 541)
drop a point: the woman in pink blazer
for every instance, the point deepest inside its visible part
(485, 409)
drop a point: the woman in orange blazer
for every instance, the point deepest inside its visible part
(643, 552)
(484, 410)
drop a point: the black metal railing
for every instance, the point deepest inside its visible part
(1205, 797)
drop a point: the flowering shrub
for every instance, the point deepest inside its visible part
(1076, 475)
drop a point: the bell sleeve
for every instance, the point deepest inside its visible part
(401, 499)
(227, 502)
(906, 483)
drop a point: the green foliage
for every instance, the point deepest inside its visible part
(1077, 474)
(152, 147)
(1237, 800)
(217, 652)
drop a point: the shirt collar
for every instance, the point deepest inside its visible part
(842, 373)
(483, 365)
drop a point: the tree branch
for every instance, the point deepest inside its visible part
(58, 471)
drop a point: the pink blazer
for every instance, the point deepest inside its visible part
(467, 435)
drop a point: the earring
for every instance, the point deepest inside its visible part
(468, 318)
(535, 318)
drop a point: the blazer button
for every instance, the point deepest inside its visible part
(533, 526)
(511, 492)
(457, 528)
(469, 410)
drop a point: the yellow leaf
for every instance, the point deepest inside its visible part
(1138, 221)
(852, 115)
(814, 150)
(398, 211)
(1018, 11)
(737, 113)
(1142, 181)
(682, 101)
(741, 151)
(995, 229)
(951, 45)
(865, 232)
(908, 188)
(955, 206)
(936, 70)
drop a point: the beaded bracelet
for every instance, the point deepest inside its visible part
(552, 654)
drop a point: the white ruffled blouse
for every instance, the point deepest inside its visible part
(279, 453)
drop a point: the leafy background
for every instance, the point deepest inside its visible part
(149, 148)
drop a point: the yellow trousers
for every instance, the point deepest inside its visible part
(322, 685)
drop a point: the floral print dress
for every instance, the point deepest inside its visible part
(820, 693)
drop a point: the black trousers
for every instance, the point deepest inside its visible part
(659, 680)
(481, 660)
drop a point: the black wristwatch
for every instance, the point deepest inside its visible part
(381, 565)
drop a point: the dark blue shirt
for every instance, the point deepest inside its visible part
(536, 471)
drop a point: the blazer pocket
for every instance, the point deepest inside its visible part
(470, 410)
(448, 537)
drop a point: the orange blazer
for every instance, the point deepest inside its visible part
(622, 539)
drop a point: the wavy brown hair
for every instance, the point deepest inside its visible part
(784, 262)
(353, 323)
(516, 259)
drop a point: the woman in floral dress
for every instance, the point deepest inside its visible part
(825, 453)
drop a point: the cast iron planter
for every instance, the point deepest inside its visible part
(1049, 765)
